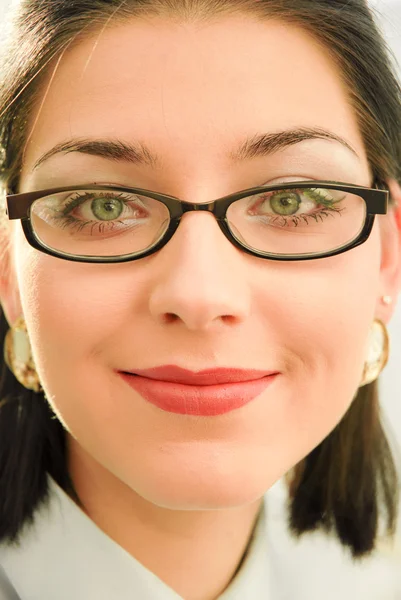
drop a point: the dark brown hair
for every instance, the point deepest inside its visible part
(342, 484)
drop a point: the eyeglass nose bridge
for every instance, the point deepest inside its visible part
(216, 207)
(206, 206)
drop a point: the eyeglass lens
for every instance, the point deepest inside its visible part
(284, 222)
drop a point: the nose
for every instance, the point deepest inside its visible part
(201, 277)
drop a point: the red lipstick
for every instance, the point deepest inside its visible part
(203, 393)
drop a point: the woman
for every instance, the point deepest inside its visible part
(166, 366)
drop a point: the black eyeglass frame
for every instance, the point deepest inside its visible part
(18, 207)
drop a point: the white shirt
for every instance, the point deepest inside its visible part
(65, 556)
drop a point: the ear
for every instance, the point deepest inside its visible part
(390, 269)
(9, 294)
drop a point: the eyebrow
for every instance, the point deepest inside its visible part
(258, 145)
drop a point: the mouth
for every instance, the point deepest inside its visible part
(205, 393)
(175, 374)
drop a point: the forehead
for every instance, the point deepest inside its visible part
(191, 90)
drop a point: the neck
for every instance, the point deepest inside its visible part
(196, 553)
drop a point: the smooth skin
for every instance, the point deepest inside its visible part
(181, 493)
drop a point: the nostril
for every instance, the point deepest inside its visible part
(229, 319)
(170, 318)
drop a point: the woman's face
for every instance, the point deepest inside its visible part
(193, 94)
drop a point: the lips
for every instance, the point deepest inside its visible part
(205, 393)
(174, 374)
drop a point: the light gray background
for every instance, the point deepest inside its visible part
(389, 14)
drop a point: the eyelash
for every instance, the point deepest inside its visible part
(297, 219)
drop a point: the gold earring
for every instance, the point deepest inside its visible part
(18, 356)
(378, 352)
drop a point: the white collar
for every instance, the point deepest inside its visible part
(64, 555)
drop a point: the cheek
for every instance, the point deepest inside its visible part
(320, 312)
(71, 311)
(332, 309)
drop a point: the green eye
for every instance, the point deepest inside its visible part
(285, 203)
(107, 209)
